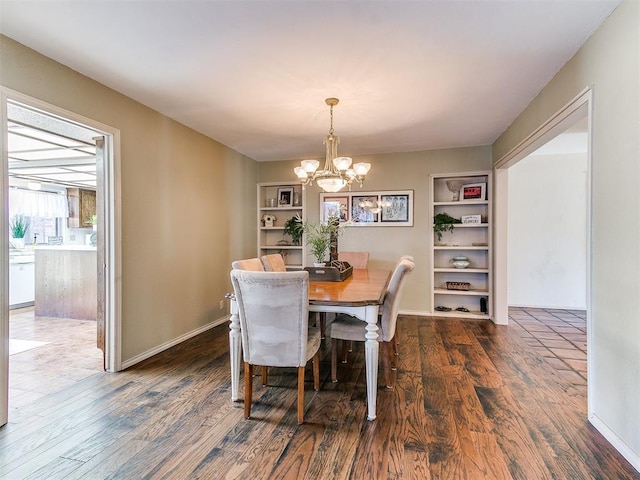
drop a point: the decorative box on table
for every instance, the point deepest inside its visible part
(336, 272)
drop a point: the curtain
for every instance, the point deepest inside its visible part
(37, 204)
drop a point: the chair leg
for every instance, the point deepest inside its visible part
(265, 375)
(334, 359)
(394, 357)
(248, 384)
(316, 372)
(349, 346)
(345, 349)
(300, 395)
(323, 324)
(386, 358)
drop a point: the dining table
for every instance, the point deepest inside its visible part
(359, 295)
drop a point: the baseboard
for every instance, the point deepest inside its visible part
(160, 348)
(632, 457)
(419, 313)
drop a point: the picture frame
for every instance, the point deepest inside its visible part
(395, 208)
(285, 197)
(473, 192)
(359, 214)
(369, 209)
(337, 205)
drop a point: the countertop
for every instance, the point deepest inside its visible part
(66, 247)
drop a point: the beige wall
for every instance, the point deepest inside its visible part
(398, 171)
(181, 196)
(610, 63)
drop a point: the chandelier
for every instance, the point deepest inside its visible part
(337, 171)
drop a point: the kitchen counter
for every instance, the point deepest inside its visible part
(66, 281)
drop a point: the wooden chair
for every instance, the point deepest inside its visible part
(356, 259)
(273, 308)
(252, 264)
(273, 263)
(346, 327)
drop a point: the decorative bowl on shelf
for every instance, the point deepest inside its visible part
(460, 262)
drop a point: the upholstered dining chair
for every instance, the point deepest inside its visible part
(359, 260)
(273, 263)
(253, 264)
(346, 327)
(273, 308)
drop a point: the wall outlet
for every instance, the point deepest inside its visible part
(221, 304)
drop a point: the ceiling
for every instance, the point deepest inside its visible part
(253, 75)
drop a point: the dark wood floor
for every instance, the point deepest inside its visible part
(472, 401)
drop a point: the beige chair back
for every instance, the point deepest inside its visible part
(358, 260)
(273, 263)
(392, 299)
(274, 309)
(252, 264)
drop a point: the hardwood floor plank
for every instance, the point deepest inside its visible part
(472, 400)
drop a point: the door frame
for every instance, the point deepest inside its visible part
(111, 226)
(578, 107)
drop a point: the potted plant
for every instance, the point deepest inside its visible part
(443, 222)
(320, 237)
(294, 228)
(18, 229)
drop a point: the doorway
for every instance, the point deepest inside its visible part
(84, 161)
(575, 306)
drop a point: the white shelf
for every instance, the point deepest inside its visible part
(281, 209)
(460, 270)
(444, 291)
(461, 241)
(463, 203)
(461, 247)
(456, 314)
(268, 237)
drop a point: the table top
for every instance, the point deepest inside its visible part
(364, 287)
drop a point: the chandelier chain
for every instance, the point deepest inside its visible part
(331, 117)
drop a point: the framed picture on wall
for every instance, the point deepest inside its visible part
(361, 213)
(397, 209)
(334, 206)
(285, 197)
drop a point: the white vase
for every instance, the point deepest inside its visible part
(17, 242)
(319, 264)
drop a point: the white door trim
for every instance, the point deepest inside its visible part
(112, 216)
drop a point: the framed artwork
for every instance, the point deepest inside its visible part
(363, 209)
(369, 209)
(395, 208)
(473, 192)
(334, 206)
(285, 197)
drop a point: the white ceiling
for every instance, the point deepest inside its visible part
(253, 75)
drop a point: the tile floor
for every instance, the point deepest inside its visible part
(558, 335)
(69, 355)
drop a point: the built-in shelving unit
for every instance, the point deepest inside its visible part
(269, 236)
(472, 240)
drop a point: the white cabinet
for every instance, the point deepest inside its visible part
(21, 282)
(456, 290)
(282, 201)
